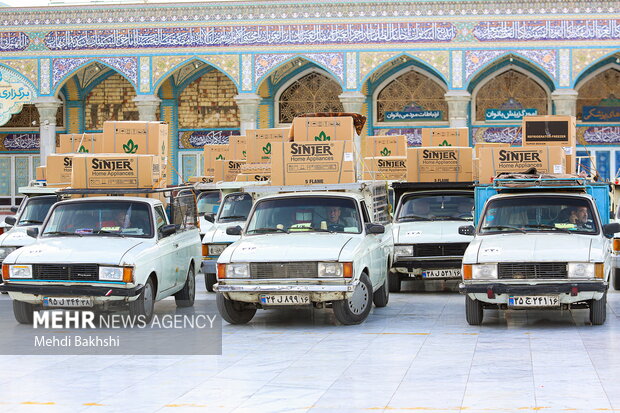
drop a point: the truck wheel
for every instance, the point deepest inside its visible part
(235, 312)
(210, 280)
(24, 312)
(394, 282)
(382, 295)
(616, 279)
(185, 297)
(143, 306)
(598, 311)
(354, 310)
(473, 311)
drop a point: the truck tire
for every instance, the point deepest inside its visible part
(144, 305)
(24, 312)
(382, 295)
(616, 279)
(210, 280)
(185, 297)
(394, 282)
(474, 312)
(598, 311)
(354, 310)
(234, 312)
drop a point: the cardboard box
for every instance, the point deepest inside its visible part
(201, 179)
(305, 163)
(80, 143)
(213, 153)
(475, 169)
(258, 149)
(479, 145)
(253, 177)
(554, 130)
(546, 159)
(323, 129)
(114, 171)
(40, 173)
(135, 137)
(445, 137)
(394, 145)
(256, 168)
(227, 170)
(237, 147)
(385, 168)
(58, 169)
(439, 164)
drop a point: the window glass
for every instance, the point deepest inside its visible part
(436, 208)
(36, 210)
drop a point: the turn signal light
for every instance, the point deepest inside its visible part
(347, 270)
(221, 270)
(5, 271)
(467, 271)
(616, 244)
(127, 274)
(599, 271)
(205, 250)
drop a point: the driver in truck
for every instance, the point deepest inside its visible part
(334, 222)
(579, 216)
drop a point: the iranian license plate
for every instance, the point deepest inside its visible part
(534, 301)
(67, 302)
(451, 273)
(284, 299)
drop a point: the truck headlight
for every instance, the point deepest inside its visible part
(215, 249)
(581, 270)
(403, 250)
(110, 274)
(20, 271)
(5, 251)
(237, 271)
(330, 269)
(484, 271)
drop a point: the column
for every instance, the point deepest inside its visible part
(565, 101)
(248, 110)
(47, 107)
(458, 105)
(353, 102)
(147, 107)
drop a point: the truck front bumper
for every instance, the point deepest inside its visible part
(318, 292)
(35, 293)
(414, 267)
(568, 292)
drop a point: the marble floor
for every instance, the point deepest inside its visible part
(417, 354)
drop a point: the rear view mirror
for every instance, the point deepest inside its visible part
(14, 209)
(32, 232)
(168, 230)
(610, 229)
(467, 230)
(209, 217)
(236, 230)
(375, 229)
(11, 220)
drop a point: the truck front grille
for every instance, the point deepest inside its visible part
(517, 270)
(284, 270)
(68, 272)
(440, 250)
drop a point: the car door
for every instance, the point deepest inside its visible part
(374, 249)
(166, 256)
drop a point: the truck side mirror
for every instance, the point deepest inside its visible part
(375, 229)
(236, 230)
(610, 229)
(32, 232)
(168, 230)
(14, 209)
(467, 230)
(11, 220)
(209, 216)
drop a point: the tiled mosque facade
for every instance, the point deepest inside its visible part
(213, 70)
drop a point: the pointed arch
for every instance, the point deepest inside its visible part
(263, 75)
(70, 67)
(183, 61)
(605, 62)
(406, 59)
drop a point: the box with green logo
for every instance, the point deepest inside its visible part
(323, 129)
(80, 143)
(238, 146)
(58, 169)
(259, 143)
(135, 137)
(385, 168)
(227, 170)
(445, 137)
(114, 170)
(214, 153)
(440, 164)
(393, 145)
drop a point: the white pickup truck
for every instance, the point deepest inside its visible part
(427, 245)
(539, 244)
(113, 252)
(323, 248)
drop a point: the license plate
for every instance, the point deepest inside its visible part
(67, 302)
(284, 299)
(534, 301)
(451, 273)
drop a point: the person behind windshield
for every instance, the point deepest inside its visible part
(334, 223)
(421, 208)
(117, 220)
(579, 217)
(465, 209)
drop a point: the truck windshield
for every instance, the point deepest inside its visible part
(208, 202)
(539, 213)
(302, 214)
(35, 210)
(122, 219)
(436, 208)
(235, 207)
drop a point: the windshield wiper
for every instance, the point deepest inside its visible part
(414, 218)
(550, 227)
(61, 233)
(268, 230)
(30, 221)
(451, 218)
(234, 217)
(505, 227)
(116, 234)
